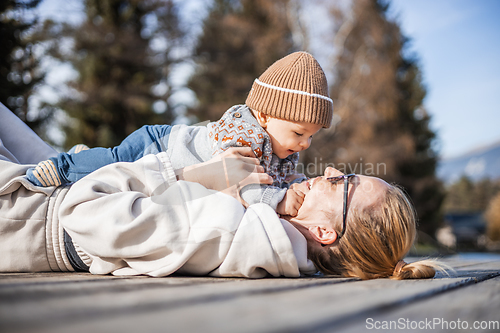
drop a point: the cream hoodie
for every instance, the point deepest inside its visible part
(136, 218)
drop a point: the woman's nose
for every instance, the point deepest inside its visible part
(332, 172)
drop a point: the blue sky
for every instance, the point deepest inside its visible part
(458, 43)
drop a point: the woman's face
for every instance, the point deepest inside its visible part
(323, 202)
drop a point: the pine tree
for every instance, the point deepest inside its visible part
(240, 40)
(381, 127)
(19, 67)
(118, 69)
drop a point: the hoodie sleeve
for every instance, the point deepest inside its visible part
(268, 194)
(135, 218)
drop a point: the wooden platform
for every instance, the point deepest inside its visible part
(57, 302)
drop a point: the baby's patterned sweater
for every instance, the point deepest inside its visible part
(239, 128)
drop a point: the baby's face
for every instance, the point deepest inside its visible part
(288, 137)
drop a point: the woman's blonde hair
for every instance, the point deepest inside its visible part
(375, 242)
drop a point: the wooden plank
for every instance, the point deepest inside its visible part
(319, 309)
(8, 280)
(82, 303)
(279, 304)
(59, 304)
(473, 308)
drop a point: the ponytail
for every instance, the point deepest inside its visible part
(416, 270)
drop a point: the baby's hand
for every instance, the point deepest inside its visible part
(291, 203)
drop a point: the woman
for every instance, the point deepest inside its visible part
(378, 233)
(142, 218)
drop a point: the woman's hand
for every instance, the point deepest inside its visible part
(227, 172)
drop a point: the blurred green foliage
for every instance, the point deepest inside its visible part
(118, 69)
(240, 39)
(20, 70)
(466, 196)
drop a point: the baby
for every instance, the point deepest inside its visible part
(286, 106)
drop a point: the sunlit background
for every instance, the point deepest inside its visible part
(416, 85)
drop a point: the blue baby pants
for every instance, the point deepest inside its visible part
(149, 139)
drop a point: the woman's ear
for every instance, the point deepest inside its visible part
(262, 118)
(322, 235)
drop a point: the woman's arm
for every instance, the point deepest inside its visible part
(228, 172)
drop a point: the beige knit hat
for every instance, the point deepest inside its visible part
(293, 88)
